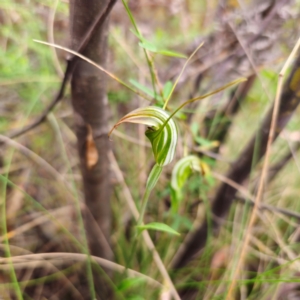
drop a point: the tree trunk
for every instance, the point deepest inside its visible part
(90, 105)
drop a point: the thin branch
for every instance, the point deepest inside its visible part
(278, 166)
(36, 264)
(250, 199)
(71, 62)
(40, 259)
(39, 161)
(37, 221)
(111, 75)
(271, 208)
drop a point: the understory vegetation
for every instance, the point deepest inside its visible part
(202, 191)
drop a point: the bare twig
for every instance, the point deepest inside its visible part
(71, 62)
(278, 166)
(57, 213)
(250, 199)
(40, 259)
(39, 161)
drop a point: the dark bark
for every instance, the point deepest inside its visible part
(240, 170)
(91, 116)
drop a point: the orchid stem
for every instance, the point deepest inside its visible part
(143, 206)
(151, 183)
(139, 222)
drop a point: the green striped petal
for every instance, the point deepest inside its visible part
(162, 131)
(181, 171)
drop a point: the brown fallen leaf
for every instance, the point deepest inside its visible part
(91, 153)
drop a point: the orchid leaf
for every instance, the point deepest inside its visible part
(181, 221)
(167, 89)
(171, 53)
(153, 177)
(159, 227)
(145, 89)
(129, 283)
(151, 47)
(138, 35)
(148, 46)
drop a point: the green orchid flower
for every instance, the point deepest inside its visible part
(181, 172)
(162, 131)
(163, 135)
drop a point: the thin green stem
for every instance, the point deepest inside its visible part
(143, 206)
(139, 222)
(132, 251)
(200, 98)
(149, 61)
(180, 74)
(151, 182)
